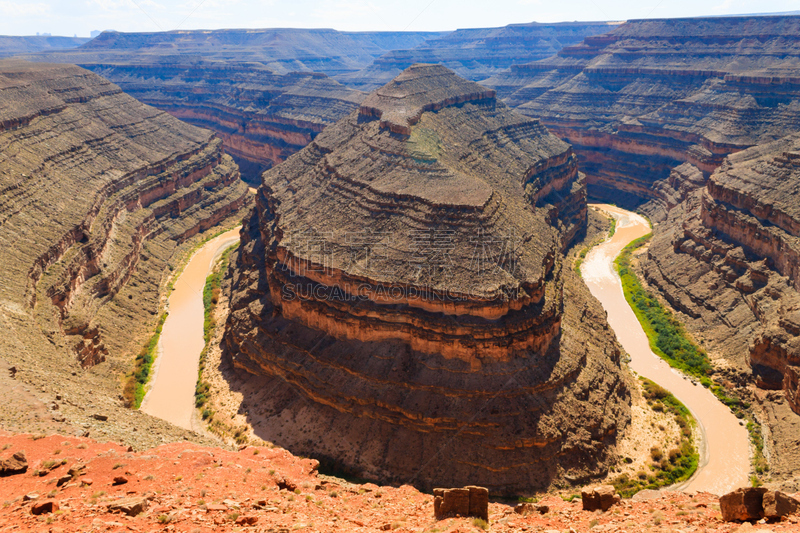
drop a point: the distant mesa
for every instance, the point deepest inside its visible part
(652, 94)
(400, 288)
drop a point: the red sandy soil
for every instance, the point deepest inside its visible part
(197, 489)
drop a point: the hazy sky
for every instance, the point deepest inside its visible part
(68, 17)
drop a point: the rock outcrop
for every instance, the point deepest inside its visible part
(469, 501)
(98, 193)
(477, 53)
(755, 503)
(727, 259)
(400, 287)
(653, 94)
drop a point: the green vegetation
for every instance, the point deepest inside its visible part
(760, 463)
(481, 524)
(613, 229)
(211, 293)
(136, 381)
(667, 336)
(667, 467)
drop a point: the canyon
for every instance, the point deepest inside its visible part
(101, 196)
(409, 309)
(652, 94)
(268, 93)
(407, 247)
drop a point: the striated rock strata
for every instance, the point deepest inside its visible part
(477, 53)
(401, 289)
(97, 191)
(727, 258)
(261, 117)
(653, 94)
(266, 93)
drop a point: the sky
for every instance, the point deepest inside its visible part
(80, 17)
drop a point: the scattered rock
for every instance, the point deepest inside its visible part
(63, 480)
(16, 464)
(30, 497)
(776, 505)
(646, 494)
(77, 470)
(742, 504)
(469, 501)
(130, 506)
(599, 498)
(528, 508)
(286, 484)
(44, 507)
(120, 480)
(87, 481)
(247, 521)
(101, 418)
(214, 507)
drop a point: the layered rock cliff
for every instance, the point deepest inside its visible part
(261, 117)
(653, 94)
(477, 53)
(400, 287)
(97, 192)
(726, 258)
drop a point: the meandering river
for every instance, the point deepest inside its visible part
(725, 449)
(171, 394)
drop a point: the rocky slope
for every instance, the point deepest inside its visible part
(653, 94)
(185, 487)
(99, 194)
(477, 53)
(264, 92)
(401, 289)
(726, 257)
(261, 117)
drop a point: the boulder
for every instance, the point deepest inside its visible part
(119, 480)
(469, 501)
(528, 508)
(44, 507)
(745, 503)
(130, 506)
(16, 464)
(776, 505)
(601, 497)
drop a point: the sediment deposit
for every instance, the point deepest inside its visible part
(98, 193)
(400, 287)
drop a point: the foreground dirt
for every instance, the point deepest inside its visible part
(200, 489)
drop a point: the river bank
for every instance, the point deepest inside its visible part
(724, 447)
(171, 393)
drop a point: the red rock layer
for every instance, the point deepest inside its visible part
(97, 192)
(401, 279)
(653, 94)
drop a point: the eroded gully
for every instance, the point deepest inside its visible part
(724, 444)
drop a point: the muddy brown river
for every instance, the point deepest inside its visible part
(171, 394)
(724, 446)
